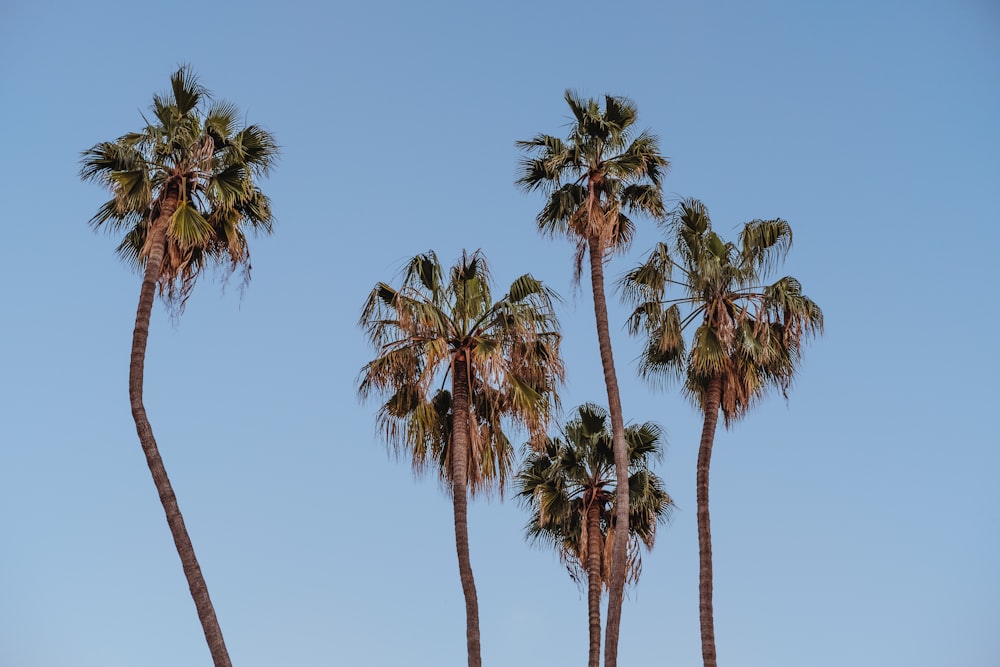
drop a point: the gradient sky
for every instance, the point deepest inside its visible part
(857, 523)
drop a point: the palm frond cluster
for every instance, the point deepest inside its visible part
(193, 170)
(746, 333)
(595, 179)
(509, 349)
(574, 475)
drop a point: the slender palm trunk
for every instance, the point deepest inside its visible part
(594, 578)
(459, 463)
(616, 589)
(712, 401)
(196, 582)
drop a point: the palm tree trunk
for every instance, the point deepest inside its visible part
(196, 582)
(712, 400)
(616, 589)
(459, 463)
(594, 551)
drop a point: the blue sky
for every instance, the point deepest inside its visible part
(858, 523)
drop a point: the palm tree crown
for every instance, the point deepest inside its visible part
(574, 471)
(598, 175)
(748, 335)
(427, 326)
(193, 168)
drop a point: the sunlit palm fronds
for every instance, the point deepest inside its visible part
(192, 168)
(434, 319)
(747, 333)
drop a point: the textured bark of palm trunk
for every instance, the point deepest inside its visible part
(140, 334)
(712, 400)
(459, 454)
(594, 580)
(616, 589)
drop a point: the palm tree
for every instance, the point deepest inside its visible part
(183, 193)
(594, 180)
(570, 487)
(502, 360)
(748, 336)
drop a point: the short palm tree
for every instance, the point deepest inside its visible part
(499, 358)
(570, 487)
(184, 193)
(594, 180)
(748, 335)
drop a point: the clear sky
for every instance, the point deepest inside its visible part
(856, 524)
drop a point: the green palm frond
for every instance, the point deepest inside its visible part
(641, 158)
(425, 270)
(643, 198)
(558, 214)
(689, 224)
(229, 185)
(221, 122)
(765, 243)
(189, 227)
(128, 248)
(101, 161)
(254, 209)
(187, 92)
(256, 148)
(619, 116)
(525, 287)
(545, 170)
(585, 112)
(116, 218)
(648, 281)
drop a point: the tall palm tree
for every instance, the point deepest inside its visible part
(184, 193)
(502, 361)
(748, 336)
(570, 487)
(602, 173)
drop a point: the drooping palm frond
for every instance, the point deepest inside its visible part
(765, 243)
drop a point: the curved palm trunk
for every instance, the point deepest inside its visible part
(594, 551)
(459, 456)
(196, 582)
(712, 401)
(616, 589)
